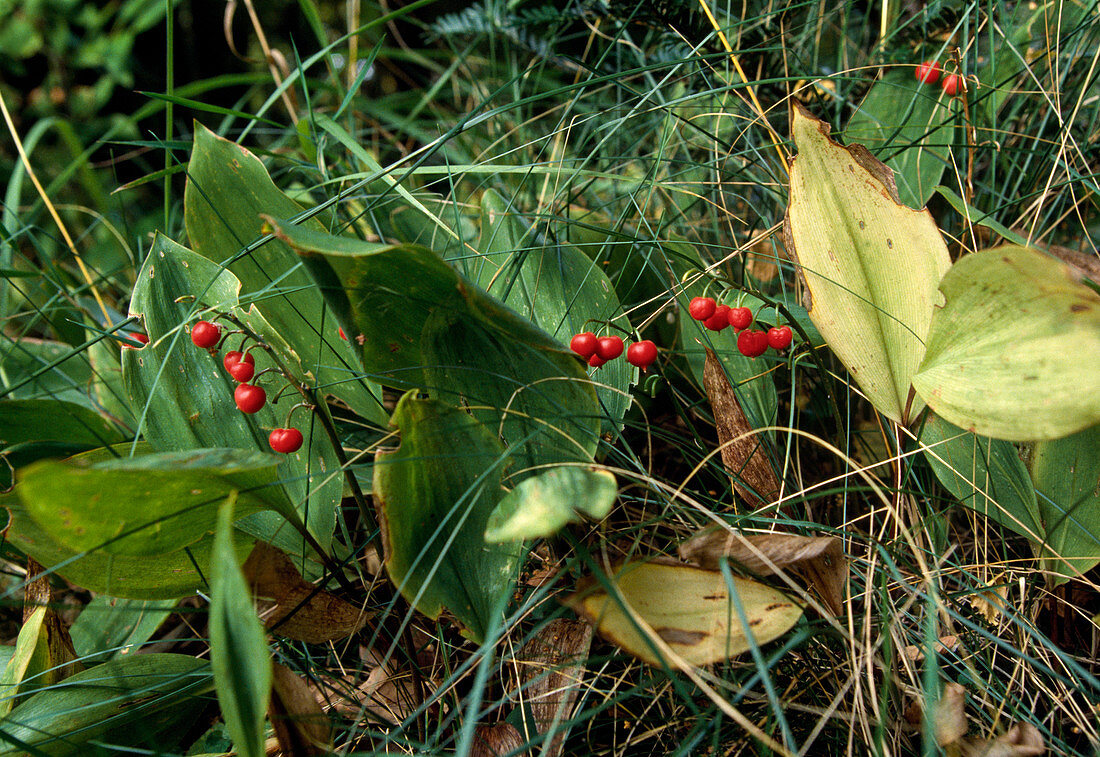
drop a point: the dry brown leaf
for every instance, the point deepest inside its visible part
(1021, 740)
(950, 715)
(388, 692)
(818, 559)
(552, 666)
(299, 609)
(496, 740)
(742, 456)
(916, 654)
(301, 728)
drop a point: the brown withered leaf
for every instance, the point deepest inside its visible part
(819, 560)
(950, 715)
(1021, 740)
(299, 609)
(744, 460)
(551, 667)
(496, 740)
(301, 728)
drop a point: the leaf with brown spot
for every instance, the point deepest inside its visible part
(296, 608)
(658, 613)
(742, 454)
(552, 666)
(496, 740)
(301, 728)
(818, 559)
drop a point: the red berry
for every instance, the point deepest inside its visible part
(242, 371)
(609, 347)
(641, 354)
(249, 398)
(285, 440)
(928, 72)
(779, 337)
(596, 361)
(231, 358)
(752, 343)
(740, 318)
(720, 319)
(951, 84)
(701, 308)
(205, 334)
(584, 344)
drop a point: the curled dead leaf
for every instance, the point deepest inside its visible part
(819, 560)
(301, 728)
(496, 740)
(950, 715)
(1021, 740)
(293, 607)
(551, 668)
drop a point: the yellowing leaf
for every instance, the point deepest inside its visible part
(871, 264)
(665, 608)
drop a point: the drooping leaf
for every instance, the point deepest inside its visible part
(871, 264)
(423, 325)
(434, 495)
(1066, 473)
(1014, 353)
(183, 397)
(121, 693)
(238, 646)
(227, 190)
(544, 503)
(110, 626)
(907, 126)
(685, 610)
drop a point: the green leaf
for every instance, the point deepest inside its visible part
(62, 719)
(78, 426)
(26, 670)
(38, 369)
(543, 504)
(110, 626)
(871, 264)
(227, 190)
(434, 494)
(1066, 473)
(423, 325)
(1014, 353)
(184, 397)
(147, 505)
(976, 217)
(907, 126)
(238, 646)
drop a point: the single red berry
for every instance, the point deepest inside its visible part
(285, 440)
(642, 354)
(720, 319)
(235, 356)
(609, 347)
(779, 337)
(596, 361)
(752, 343)
(249, 398)
(242, 371)
(340, 331)
(701, 308)
(740, 318)
(205, 334)
(584, 344)
(928, 72)
(951, 84)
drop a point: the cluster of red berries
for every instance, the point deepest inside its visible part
(249, 398)
(750, 343)
(929, 73)
(598, 350)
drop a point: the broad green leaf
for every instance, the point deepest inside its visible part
(79, 427)
(125, 692)
(238, 646)
(434, 495)
(110, 626)
(423, 325)
(147, 505)
(1014, 353)
(227, 190)
(557, 287)
(685, 609)
(28, 667)
(544, 503)
(871, 264)
(1066, 473)
(907, 126)
(984, 474)
(184, 398)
